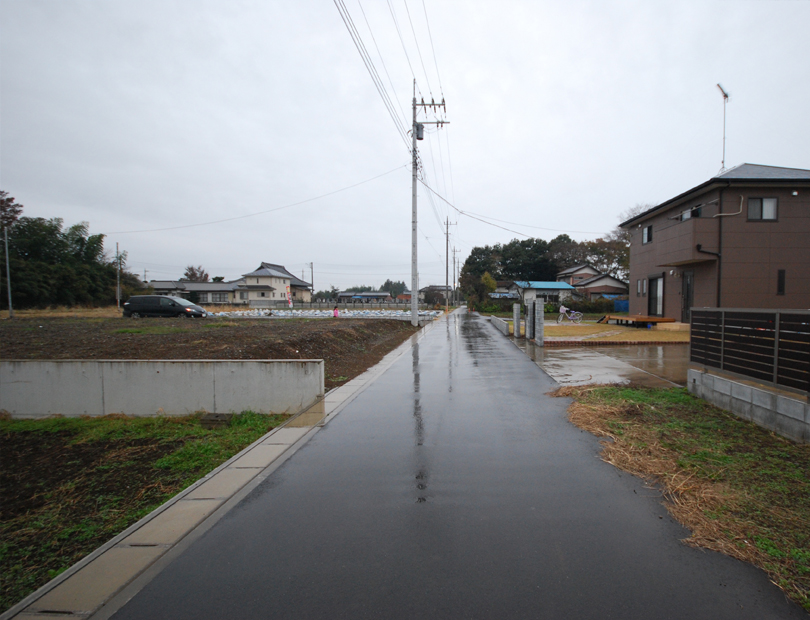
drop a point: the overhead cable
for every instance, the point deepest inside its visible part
(375, 77)
(241, 217)
(478, 217)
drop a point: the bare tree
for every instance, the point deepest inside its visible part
(195, 274)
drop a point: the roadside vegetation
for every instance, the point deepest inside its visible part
(741, 490)
(68, 485)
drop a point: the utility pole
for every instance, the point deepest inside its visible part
(455, 274)
(8, 273)
(418, 133)
(117, 277)
(144, 276)
(312, 276)
(447, 265)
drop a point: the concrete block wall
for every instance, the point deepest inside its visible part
(789, 417)
(501, 325)
(155, 387)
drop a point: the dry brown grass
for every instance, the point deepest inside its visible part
(721, 512)
(62, 312)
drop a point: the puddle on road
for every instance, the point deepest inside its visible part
(649, 365)
(313, 416)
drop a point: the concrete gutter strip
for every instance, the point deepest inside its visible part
(122, 566)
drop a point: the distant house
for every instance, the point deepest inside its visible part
(600, 285)
(578, 273)
(738, 240)
(549, 292)
(592, 283)
(502, 290)
(442, 292)
(198, 292)
(365, 297)
(269, 284)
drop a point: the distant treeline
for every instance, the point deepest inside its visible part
(54, 266)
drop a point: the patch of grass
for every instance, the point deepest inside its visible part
(70, 484)
(740, 489)
(221, 324)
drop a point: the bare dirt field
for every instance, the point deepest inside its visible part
(347, 346)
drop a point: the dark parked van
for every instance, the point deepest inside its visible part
(161, 305)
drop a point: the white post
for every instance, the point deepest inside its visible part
(516, 319)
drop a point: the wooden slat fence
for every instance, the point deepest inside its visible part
(772, 346)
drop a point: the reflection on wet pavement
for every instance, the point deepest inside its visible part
(649, 365)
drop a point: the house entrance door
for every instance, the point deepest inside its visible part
(688, 295)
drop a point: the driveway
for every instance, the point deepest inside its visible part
(453, 487)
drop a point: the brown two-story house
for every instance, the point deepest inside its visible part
(739, 240)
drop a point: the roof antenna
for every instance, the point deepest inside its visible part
(725, 101)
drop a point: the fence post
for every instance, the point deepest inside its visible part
(539, 323)
(530, 308)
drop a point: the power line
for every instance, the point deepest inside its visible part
(401, 40)
(241, 217)
(478, 217)
(435, 62)
(418, 51)
(375, 77)
(390, 81)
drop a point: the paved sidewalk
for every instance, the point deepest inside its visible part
(451, 486)
(91, 583)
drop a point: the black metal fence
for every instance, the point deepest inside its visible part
(772, 346)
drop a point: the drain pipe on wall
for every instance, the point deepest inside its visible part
(719, 252)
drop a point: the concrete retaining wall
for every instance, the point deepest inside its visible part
(153, 387)
(787, 416)
(501, 325)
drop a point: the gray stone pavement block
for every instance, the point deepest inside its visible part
(98, 581)
(286, 436)
(260, 456)
(223, 484)
(172, 524)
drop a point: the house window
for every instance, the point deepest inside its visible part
(690, 213)
(761, 209)
(262, 293)
(243, 295)
(202, 297)
(646, 234)
(257, 280)
(638, 288)
(219, 298)
(780, 282)
(644, 288)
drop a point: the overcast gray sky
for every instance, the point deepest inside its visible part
(146, 115)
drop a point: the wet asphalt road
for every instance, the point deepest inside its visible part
(452, 487)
